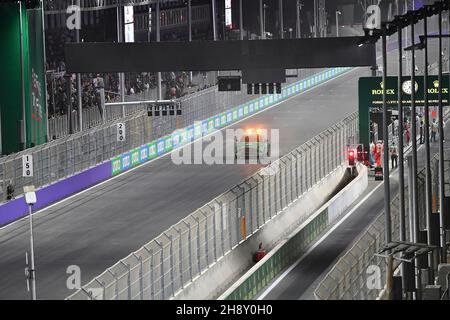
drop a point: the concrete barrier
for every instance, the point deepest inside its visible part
(290, 249)
(227, 270)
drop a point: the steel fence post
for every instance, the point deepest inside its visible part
(230, 221)
(127, 266)
(180, 253)
(198, 245)
(269, 194)
(222, 230)
(190, 249)
(163, 289)
(141, 276)
(172, 278)
(214, 234)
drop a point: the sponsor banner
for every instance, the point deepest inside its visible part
(176, 138)
(217, 122)
(223, 119)
(152, 153)
(229, 117)
(198, 130)
(126, 161)
(168, 145)
(190, 133)
(205, 127)
(160, 146)
(210, 125)
(116, 164)
(143, 153)
(240, 112)
(245, 110)
(235, 114)
(135, 157)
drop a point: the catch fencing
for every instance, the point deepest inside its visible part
(165, 265)
(78, 152)
(348, 279)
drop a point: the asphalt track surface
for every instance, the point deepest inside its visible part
(96, 228)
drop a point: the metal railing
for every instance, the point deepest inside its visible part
(165, 265)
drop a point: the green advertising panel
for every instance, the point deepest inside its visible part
(370, 91)
(10, 78)
(36, 110)
(22, 78)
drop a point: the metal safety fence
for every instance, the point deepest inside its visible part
(165, 265)
(59, 125)
(74, 153)
(349, 278)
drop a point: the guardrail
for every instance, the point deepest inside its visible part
(179, 255)
(88, 150)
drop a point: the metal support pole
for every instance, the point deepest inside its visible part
(414, 193)
(441, 146)
(337, 22)
(316, 19)
(414, 154)
(32, 269)
(410, 199)
(69, 102)
(298, 21)
(158, 39)
(119, 40)
(189, 9)
(79, 88)
(281, 19)
(47, 134)
(213, 8)
(401, 168)
(261, 18)
(241, 21)
(387, 191)
(428, 210)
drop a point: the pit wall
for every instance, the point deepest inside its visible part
(225, 271)
(16, 208)
(297, 243)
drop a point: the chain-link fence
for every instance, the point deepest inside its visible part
(165, 265)
(77, 152)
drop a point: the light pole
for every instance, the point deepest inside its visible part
(299, 22)
(338, 13)
(264, 20)
(30, 199)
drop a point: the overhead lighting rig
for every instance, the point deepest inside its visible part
(402, 21)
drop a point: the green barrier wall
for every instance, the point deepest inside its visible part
(293, 249)
(13, 17)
